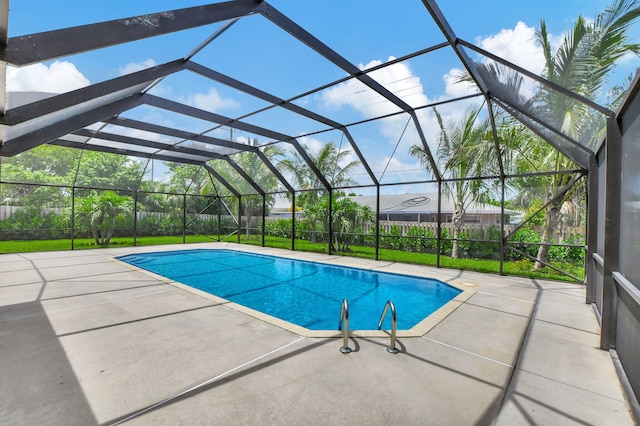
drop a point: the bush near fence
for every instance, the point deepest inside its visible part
(476, 241)
(21, 223)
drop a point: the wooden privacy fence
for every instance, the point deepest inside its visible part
(386, 225)
(476, 228)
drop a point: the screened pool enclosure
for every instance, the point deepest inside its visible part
(485, 169)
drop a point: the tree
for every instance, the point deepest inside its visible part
(582, 63)
(105, 170)
(332, 164)
(259, 173)
(348, 217)
(465, 150)
(186, 177)
(49, 165)
(103, 212)
(55, 161)
(68, 167)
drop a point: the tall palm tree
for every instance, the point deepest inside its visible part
(582, 63)
(332, 163)
(465, 151)
(329, 160)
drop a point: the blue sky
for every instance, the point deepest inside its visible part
(255, 51)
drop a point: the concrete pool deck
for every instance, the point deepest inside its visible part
(86, 340)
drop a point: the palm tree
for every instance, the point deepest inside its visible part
(329, 161)
(465, 151)
(259, 173)
(582, 63)
(332, 163)
(348, 218)
(103, 211)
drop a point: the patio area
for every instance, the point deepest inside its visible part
(86, 340)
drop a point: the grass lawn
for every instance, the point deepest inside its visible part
(522, 268)
(23, 246)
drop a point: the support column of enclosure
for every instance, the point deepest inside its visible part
(264, 215)
(377, 221)
(293, 220)
(612, 234)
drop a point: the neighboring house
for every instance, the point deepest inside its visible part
(281, 208)
(423, 207)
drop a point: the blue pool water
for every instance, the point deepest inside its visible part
(304, 293)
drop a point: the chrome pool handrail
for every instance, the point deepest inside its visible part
(344, 317)
(392, 348)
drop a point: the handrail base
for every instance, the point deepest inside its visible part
(345, 350)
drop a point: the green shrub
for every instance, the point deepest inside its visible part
(280, 228)
(524, 235)
(415, 238)
(392, 239)
(568, 254)
(445, 244)
(484, 249)
(32, 224)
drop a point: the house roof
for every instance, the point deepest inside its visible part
(424, 203)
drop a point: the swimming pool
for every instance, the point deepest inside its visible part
(308, 294)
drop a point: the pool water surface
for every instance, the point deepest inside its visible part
(307, 294)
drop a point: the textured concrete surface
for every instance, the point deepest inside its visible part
(86, 340)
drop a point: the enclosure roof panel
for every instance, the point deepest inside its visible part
(245, 75)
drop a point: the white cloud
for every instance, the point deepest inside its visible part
(136, 66)
(395, 133)
(520, 47)
(517, 45)
(313, 145)
(59, 77)
(627, 59)
(455, 88)
(398, 78)
(243, 140)
(210, 101)
(392, 164)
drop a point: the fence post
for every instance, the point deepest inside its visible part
(184, 218)
(135, 218)
(293, 221)
(377, 257)
(73, 215)
(439, 228)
